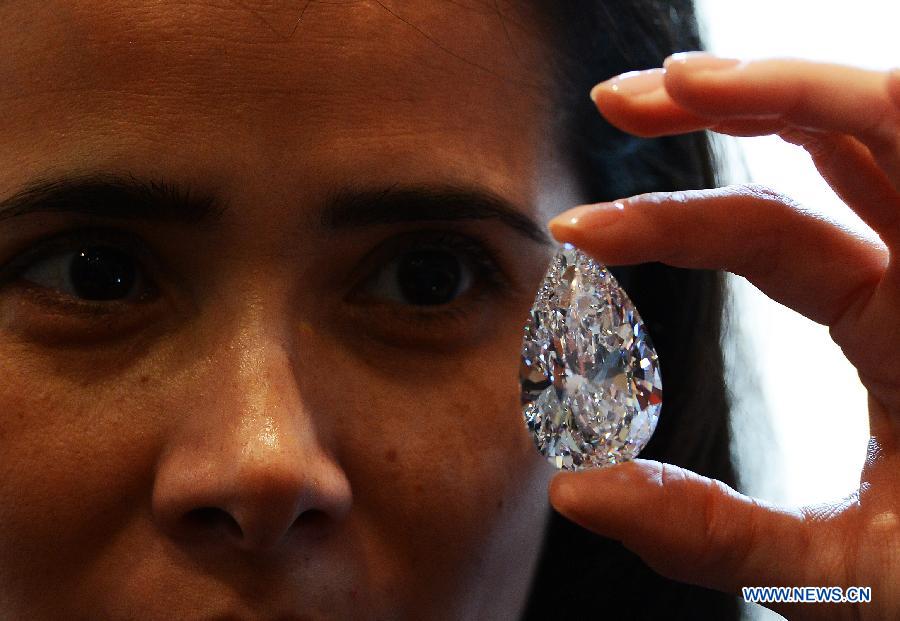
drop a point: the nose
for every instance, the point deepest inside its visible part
(246, 466)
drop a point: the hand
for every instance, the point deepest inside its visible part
(698, 530)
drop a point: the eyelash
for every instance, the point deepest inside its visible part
(488, 277)
(68, 241)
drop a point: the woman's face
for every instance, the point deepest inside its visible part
(302, 399)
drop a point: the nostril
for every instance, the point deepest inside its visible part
(214, 521)
(313, 520)
(314, 524)
(210, 519)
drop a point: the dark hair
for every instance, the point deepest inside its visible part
(581, 575)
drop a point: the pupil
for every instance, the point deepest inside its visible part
(99, 273)
(429, 277)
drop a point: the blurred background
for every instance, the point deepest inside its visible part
(801, 411)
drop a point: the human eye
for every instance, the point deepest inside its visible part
(93, 272)
(431, 278)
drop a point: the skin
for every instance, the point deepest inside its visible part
(342, 457)
(249, 443)
(848, 119)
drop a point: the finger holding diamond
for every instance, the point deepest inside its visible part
(698, 530)
(792, 254)
(695, 529)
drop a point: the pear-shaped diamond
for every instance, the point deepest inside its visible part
(591, 387)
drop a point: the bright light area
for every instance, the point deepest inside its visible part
(813, 400)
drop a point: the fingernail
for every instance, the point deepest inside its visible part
(587, 216)
(700, 61)
(632, 83)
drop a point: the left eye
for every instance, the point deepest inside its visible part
(90, 273)
(424, 277)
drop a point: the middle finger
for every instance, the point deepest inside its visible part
(783, 97)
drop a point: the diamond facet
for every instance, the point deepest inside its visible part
(591, 386)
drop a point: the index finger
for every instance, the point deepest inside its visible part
(804, 93)
(855, 113)
(702, 92)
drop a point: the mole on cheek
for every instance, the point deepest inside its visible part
(391, 455)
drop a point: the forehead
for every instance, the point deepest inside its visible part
(315, 84)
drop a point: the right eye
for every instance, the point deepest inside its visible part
(82, 287)
(90, 273)
(86, 270)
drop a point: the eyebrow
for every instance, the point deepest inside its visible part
(127, 197)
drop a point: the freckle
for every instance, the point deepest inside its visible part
(500, 504)
(391, 455)
(145, 379)
(418, 488)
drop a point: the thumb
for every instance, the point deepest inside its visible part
(688, 527)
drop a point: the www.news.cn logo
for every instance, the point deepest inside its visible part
(808, 594)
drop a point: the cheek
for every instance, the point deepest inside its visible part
(72, 468)
(446, 482)
(446, 473)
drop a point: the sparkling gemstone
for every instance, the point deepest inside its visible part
(591, 386)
